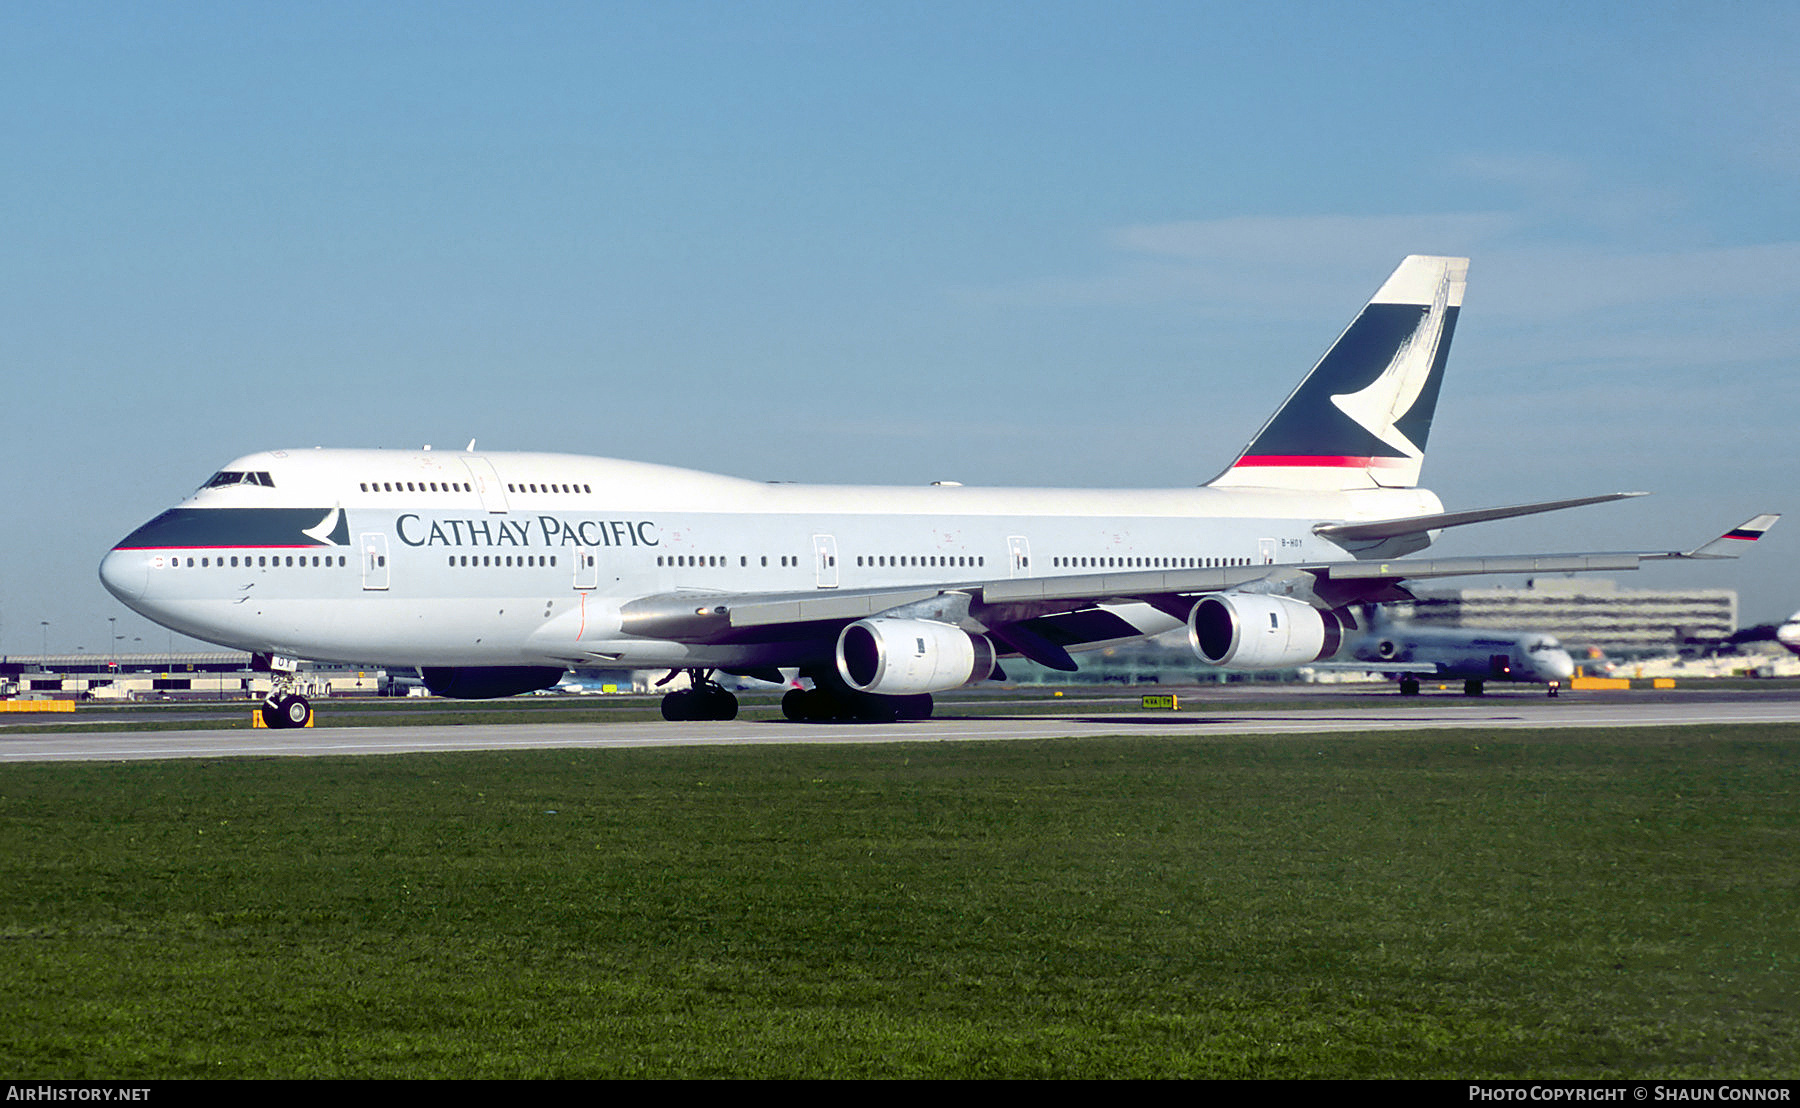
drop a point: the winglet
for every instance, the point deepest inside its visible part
(1728, 544)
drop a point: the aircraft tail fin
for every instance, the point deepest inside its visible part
(1361, 417)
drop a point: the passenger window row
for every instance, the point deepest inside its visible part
(887, 561)
(1146, 563)
(789, 560)
(715, 561)
(263, 560)
(454, 486)
(417, 486)
(478, 560)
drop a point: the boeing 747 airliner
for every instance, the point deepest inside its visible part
(496, 572)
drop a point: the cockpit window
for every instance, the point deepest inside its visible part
(239, 477)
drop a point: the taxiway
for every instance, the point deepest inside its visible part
(1512, 713)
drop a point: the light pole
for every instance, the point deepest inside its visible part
(46, 626)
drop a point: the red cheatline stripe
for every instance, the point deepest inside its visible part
(1747, 536)
(1321, 461)
(234, 546)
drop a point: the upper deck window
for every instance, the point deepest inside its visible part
(239, 477)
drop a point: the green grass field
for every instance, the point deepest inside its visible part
(1577, 904)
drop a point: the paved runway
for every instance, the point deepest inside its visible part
(1511, 713)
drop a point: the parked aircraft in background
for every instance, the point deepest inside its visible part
(494, 573)
(583, 686)
(1788, 634)
(1411, 653)
(1591, 661)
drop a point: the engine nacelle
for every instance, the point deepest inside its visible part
(902, 657)
(1253, 631)
(488, 682)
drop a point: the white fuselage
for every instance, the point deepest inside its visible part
(517, 559)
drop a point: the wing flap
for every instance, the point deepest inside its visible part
(1412, 569)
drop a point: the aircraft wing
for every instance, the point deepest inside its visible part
(1005, 607)
(1417, 525)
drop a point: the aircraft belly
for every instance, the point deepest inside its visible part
(394, 631)
(634, 653)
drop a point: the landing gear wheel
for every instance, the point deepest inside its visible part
(826, 705)
(813, 706)
(1472, 687)
(913, 707)
(285, 711)
(875, 709)
(720, 704)
(677, 707)
(794, 705)
(1409, 687)
(705, 701)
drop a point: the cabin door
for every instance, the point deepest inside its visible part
(825, 560)
(374, 548)
(1018, 550)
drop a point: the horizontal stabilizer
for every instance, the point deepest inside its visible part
(1413, 525)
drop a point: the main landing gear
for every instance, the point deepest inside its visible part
(704, 700)
(825, 704)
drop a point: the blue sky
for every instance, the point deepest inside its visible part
(1001, 243)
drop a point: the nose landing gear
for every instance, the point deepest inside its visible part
(285, 706)
(285, 710)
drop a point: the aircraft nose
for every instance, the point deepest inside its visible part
(1557, 665)
(125, 574)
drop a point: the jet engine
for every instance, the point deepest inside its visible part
(1253, 631)
(488, 682)
(902, 657)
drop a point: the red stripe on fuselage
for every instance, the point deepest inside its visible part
(1313, 461)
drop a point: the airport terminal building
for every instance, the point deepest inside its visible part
(1585, 612)
(222, 675)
